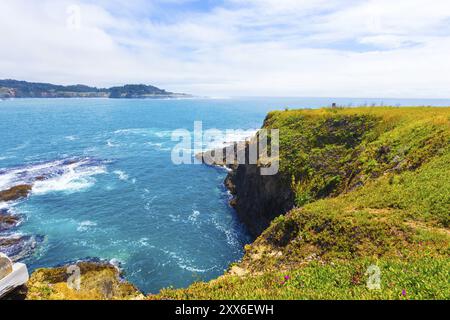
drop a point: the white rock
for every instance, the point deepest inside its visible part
(17, 278)
(6, 266)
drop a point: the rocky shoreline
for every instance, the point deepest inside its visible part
(101, 280)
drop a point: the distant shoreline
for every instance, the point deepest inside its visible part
(100, 98)
(22, 89)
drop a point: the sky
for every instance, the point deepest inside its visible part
(303, 48)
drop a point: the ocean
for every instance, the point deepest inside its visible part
(105, 187)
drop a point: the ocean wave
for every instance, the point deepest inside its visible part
(69, 175)
(229, 138)
(6, 206)
(145, 132)
(74, 179)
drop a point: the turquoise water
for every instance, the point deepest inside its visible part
(111, 191)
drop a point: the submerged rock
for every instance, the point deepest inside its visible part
(97, 281)
(8, 221)
(18, 247)
(15, 193)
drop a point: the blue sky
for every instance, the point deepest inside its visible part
(358, 48)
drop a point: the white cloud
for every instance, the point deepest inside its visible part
(258, 47)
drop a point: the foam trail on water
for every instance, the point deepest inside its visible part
(61, 175)
(72, 180)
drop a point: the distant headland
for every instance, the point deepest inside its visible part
(23, 89)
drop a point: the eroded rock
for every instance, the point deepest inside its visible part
(98, 281)
(8, 221)
(15, 193)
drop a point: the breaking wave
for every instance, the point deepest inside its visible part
(68, 175)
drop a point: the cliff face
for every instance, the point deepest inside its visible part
(258, 199)
(325, 153)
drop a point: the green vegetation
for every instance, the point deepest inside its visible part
(424, 279)
(23, 89)
(372, 187)
(135, 91)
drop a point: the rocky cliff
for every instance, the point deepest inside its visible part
(258, 199)
(369, 190)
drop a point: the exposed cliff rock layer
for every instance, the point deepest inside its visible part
(258, 199)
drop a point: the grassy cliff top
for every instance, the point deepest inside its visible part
(372, 188)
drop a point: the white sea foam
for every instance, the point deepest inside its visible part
(69, 175)
(163, 134)
(154, 144)
(7, 205)
(85, 225)
(112, 144)
(232, 238)
(71, 138)
(23, 175)
(194, 216)
(130, 131)
(121, 175)
(116, 263)
(75, 178)
(145, 132)
(185, 263)
(230, 137)
(143, 242)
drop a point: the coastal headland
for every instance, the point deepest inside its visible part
(358, 210)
